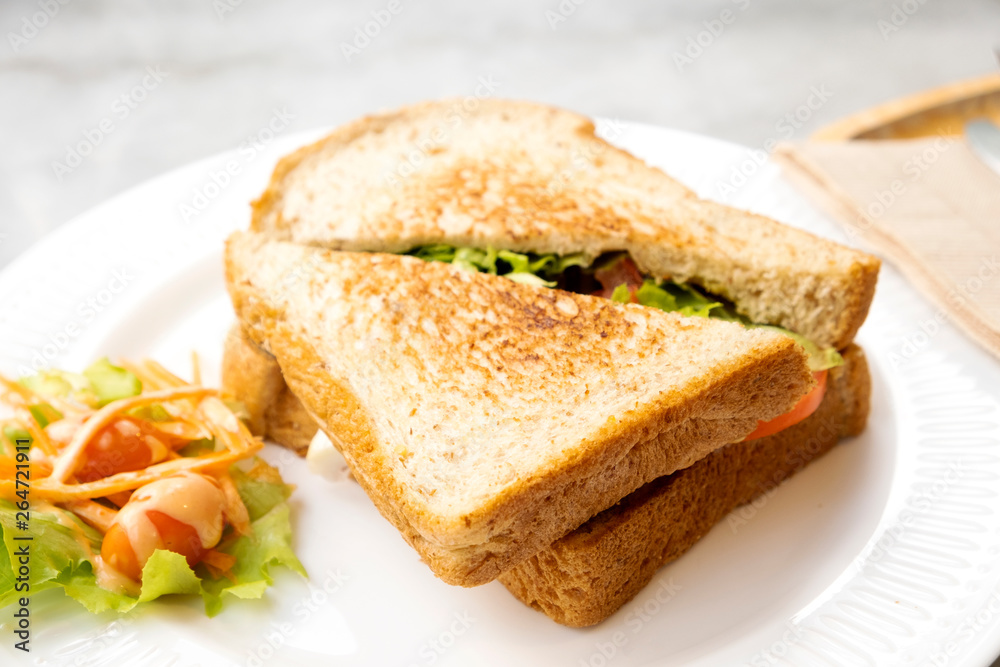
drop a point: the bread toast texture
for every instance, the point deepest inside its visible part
(253, 377)
(486, 418)
(587, 575)
(527, 177)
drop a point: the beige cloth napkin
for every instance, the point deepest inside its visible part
(928, 205)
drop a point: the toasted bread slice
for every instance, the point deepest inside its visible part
(584, 577)
(526, 177)
(253, 377)
(487, 418)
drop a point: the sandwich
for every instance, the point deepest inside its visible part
(454, 283)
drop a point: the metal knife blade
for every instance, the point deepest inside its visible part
(984, 140)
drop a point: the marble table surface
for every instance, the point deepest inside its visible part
(99, 95)
(222, 69)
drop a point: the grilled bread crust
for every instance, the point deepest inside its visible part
(486, 418)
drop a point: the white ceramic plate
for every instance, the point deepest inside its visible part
(884, 552)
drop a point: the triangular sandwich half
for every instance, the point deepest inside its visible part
(487, 418)
(528, 178)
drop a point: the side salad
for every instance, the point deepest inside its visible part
(127, 483)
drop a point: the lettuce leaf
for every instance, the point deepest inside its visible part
(99, 384)
(270, 545)
(820, 358)
(621, 294)
(676, 297)
(62, 548)
(526, 268)
(652, 295)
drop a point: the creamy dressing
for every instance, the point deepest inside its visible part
(108, 578)
(112, 580)
(325, 460)
(187, 497)
(62, 431)
(63, 517)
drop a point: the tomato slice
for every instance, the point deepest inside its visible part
(622, 272)
(116, 551)
(178, 537)
(805, 407)
(124, 445)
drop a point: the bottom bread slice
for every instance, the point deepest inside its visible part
(253, 377)
(587, 575)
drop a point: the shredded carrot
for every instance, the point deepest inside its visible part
(119, 499)
(181, 430)
(219, 564)
(155, 369)
(38, 436)
(94, 514)
(26, 396)
(236, 511)
(70, 456)
(55, 491)
(195, 368)
(149, 381)
(18, 389)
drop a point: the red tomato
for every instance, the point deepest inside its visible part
(805, 407)
(622, 272)
(123, 445)
(178, 537)
(116, 551)
(166, 514)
